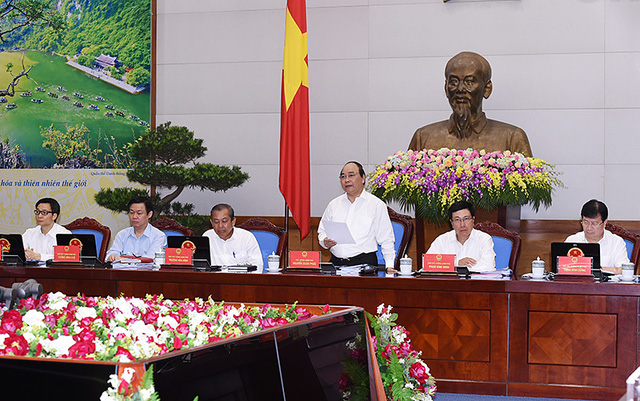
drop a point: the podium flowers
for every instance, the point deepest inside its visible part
(431, 180)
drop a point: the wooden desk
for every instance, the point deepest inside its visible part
(519, 338)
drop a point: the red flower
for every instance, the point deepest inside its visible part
(11, 320)
(85, 335)
(15, 345)
(326, 309)
(419, 372)
(81, 349)
(344, 382)
(125, 352)
(282, 321)
(150, 317)
(177, 342)
(182, 328)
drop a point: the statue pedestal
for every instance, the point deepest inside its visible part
(507, 216)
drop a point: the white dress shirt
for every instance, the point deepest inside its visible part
(240, 249)
(43, 243)
(151, 241)
(613, 251)
(368, 220)
(479, 247)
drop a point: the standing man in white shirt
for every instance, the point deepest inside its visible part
(230, 245)
(39, 241)
(473, 248)
(613, 251)
(367, 218)
(141, 239)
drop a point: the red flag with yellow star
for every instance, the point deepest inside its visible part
(294, 127)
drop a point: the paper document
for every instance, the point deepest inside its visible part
(339, 232)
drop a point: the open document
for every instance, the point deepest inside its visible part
(339, 232)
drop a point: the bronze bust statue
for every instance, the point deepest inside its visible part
(467, 82)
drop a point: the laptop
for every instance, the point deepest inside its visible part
(87, 244)
(12, 249)
(574, 249)
(200, 246)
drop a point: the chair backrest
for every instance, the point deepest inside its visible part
(506, 244)
(631, 240)
(170, 227)
(271, 238)
(402, 232)
(87, 225)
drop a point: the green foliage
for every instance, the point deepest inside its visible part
(167, 144)
(71, 144)
(20, 15)
(139, 76)
(117, 199)
(115, 73)
(85, 60)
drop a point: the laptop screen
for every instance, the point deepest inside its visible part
(86, 242)
(574, 249)
(12, 245)
(200, 245)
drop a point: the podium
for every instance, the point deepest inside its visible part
(299, 361)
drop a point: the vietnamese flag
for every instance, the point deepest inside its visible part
(294, 128)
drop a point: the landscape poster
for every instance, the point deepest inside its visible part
(87, 94)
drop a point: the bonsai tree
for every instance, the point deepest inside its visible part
(167, 158)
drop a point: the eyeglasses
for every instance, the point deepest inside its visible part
(464, 220)
(591, 224)
(42, 212)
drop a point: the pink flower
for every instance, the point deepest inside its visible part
(268, 322)
(326, 309)
(303, 313)
(182, 328)
(177, 342)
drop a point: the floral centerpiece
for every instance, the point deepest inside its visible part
(128, 329)
(431, 180)
(405, 376)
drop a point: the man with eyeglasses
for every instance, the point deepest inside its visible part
(473, 248)
(39, 241)
(366, 217)
(141, 239)
(613, 251)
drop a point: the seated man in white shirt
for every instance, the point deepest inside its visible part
(613, 251)
(39, 241)
(141, 239)
(230, 245)
(366, 217)
(473, 248)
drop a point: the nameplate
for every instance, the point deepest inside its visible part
(178, 256)
(304, 259)
(438, 263)
(575, 265)
(66, 253)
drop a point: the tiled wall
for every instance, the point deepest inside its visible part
(567, 72)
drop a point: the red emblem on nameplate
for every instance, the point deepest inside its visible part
(575, 265)
(178, 256)
(76, 242)
(306, 259)
(438, 263)
(66, 253)
(5, 244)
(575, 252)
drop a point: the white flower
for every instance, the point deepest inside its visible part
(168, 321)
(33, 318)
(380, 308)
(60, 346)
(2, 338)
(84, 311)
(127, 375)
(57, 301)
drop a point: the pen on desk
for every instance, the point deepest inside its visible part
(234, 254)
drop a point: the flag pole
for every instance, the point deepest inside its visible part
(286, 230)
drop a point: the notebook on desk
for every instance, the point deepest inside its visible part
(199, 245)
(12, 249)
(575, 249)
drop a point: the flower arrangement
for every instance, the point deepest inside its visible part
(127, 329)
(404, 375)
(431, 180)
